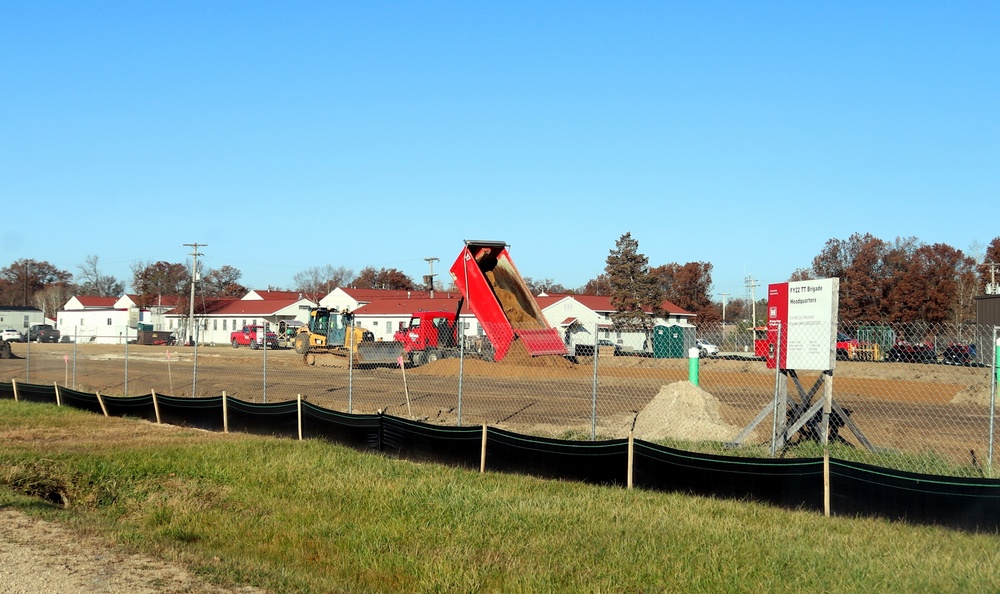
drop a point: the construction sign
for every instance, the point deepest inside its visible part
(802, 324)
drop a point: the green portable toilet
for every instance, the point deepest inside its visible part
(668, 342)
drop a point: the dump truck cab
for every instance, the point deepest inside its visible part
(430, 335)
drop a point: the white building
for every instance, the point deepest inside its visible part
(582, 319)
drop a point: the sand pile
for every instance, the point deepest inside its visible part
(682, 410)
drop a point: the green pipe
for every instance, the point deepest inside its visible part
(693, 364)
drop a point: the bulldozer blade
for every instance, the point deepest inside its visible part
(388, 351)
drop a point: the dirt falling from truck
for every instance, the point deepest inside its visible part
(505, 288)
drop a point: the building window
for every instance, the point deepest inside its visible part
(224, 324)
(109, 321)
(375, 323)
(215, 324)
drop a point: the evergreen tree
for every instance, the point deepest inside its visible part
(635, 294)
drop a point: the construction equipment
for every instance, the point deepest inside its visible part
(433, 335)
(333, 332)
(500, 299)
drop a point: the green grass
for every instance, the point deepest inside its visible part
(311, 517)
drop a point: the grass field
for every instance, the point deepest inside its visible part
(312, 517)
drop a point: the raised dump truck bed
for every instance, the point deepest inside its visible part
(498, 296)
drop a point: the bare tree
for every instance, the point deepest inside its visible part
(322, 279)
(52, 298)
(91, 282)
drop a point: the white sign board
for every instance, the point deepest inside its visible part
(805, 314)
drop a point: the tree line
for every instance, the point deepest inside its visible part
(904, 280)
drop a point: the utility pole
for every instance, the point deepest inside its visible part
(991, 287)
(751, 284)
(194, 278)
(431, 261)
(723, 295)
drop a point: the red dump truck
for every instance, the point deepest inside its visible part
(498, 296)
(493, 289)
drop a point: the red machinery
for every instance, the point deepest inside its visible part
(500, 299)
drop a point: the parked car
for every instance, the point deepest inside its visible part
(706, 349)
(43, 333)
(959, 354)
(909, 352)
(587, 350)
(247, 336)
(11, 335)
(846, 346)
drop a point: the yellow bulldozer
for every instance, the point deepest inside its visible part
(333, 332)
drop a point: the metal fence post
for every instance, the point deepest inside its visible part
(777, 390)
(993, 395)
(265, 362)
(350, 367)
(461, 367)
(76, 340)
(593, 396)
(126, 360)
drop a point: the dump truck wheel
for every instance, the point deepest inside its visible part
(236, 344)
(417, 358)
(432, 356)
(5, 352)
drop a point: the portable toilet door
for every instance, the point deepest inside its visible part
(668, 342)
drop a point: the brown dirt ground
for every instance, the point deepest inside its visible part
(907, 407)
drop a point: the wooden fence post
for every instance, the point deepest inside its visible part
(156, 407)
(631, 457)
(298, 400)
(58, 399)
(225, 413)
(101, 402)
(482, 454)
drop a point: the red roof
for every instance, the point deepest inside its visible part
(253, 307)
(369, 295)
(271, 295)
(91, 301)
(440, 302)
(155, 300)
(602, 303)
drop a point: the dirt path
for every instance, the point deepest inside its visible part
(42, 557)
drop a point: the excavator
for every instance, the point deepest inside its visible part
(333, 332)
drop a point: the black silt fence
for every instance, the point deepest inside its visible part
(362, 432)
(855, 489)
(420, 442)
(965, 503)
(203, 413)
(594, 462)
(279, 419)
(793, 483)
(81, 400)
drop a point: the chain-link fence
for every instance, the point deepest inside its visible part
(914, 397)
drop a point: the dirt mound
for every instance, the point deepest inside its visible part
(682, 410)
(512, 365)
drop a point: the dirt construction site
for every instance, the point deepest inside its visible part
(916, 409)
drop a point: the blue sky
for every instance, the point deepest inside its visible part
(292, 135)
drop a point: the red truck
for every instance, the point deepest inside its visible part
(248, 336)
(433, 335)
